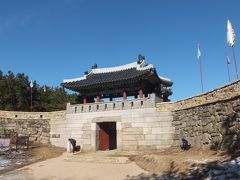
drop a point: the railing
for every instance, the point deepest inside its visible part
(147, 102)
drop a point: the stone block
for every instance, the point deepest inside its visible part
(147, 130)
(126, 125)
(162, 142)
(142, 143)
(132, 137)
(74, 125)
(86, 136)
(130, 143)
(132, 129)
(86, 127)
(75, 132)
(208, 128)
(162, 136)
(232, 130)
(152, 124)
(118, 125)
(165, 118)
(86, 141)
(140, 125)
(86, 147)
(176, 123)
(138, 119)
(147, 148)
(136, 115)
(130, 148)
(206, 138)
(132, 132)
(93, 126)
(162, 130)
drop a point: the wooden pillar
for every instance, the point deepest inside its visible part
(98, 98)
(165, 99)
(84, 100)
(136, 96)
(124, 95)
(141, 93)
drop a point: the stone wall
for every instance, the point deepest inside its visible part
(35, 124)
(215, 125)
(209, 120)
(136, 129)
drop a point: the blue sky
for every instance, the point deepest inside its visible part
(58, 39)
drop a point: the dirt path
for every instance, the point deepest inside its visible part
(58, 168)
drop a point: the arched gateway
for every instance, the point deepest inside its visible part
(128, 120)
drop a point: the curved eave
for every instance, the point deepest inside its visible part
(165, 81)
(94, 80)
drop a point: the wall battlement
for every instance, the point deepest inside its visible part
(223, 93)
(32, 115)
(209, 120)
(140, 103)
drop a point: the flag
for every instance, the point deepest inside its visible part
(198, 52)
(228, 60)
(31, 84)
(230, 34)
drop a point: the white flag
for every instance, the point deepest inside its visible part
(230, 34)
(31, 84)
(199, 53)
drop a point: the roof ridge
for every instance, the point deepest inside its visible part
(138, 65)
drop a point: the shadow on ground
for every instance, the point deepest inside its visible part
(228, 169)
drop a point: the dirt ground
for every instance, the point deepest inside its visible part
(35, 154)
(170, 160)
(60, 169)
(176, 160)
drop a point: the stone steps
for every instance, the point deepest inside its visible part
(95, 158)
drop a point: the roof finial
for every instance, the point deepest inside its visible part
(94, 66)
(140, 59)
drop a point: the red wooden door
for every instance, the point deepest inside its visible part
(104, 139)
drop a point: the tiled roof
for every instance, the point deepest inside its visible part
(109, 77)
(132, 72)
(140, 66)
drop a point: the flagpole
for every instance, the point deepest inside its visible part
(31, 86)
(200, 63)
(31, 100)
(235, 61)
(229, 79)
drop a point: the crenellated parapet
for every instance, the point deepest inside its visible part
(115, 105)
(223, 93)
(32, 115)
